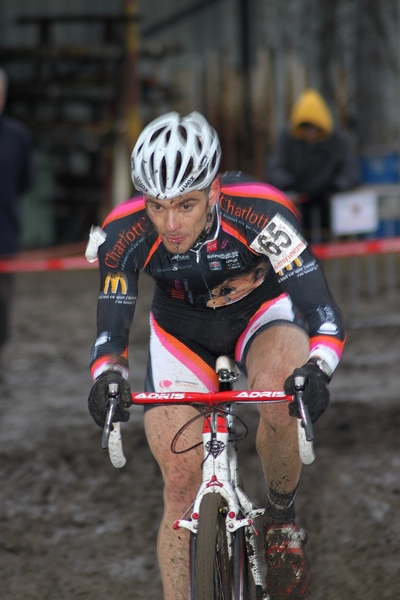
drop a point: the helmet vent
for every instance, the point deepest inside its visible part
(183, 133)
(178, 165)
(153, 138)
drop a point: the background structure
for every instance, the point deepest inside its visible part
(85, 78)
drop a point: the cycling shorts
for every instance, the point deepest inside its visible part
(185, 341)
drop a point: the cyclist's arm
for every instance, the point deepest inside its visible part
(299, 274)
(115, 310)
(311, 295)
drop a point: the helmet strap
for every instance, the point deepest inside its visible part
(207, 227)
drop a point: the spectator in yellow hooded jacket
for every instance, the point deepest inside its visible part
(312, 160)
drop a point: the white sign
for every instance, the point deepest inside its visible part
(354, 212)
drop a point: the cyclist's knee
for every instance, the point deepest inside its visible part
(275, 416)
(182, 478)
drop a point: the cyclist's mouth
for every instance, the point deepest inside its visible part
(175, 241)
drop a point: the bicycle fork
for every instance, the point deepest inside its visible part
(220, 475)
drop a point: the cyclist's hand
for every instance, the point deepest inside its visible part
(98, 397)
(316, 392)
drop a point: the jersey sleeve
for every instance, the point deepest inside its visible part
(299, 274)
(311, 296)
(115, 307)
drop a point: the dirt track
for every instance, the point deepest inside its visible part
(72, 526)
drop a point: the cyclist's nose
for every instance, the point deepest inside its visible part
(172, 221)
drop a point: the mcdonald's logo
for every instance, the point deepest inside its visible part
(113, 282)
(297, 261)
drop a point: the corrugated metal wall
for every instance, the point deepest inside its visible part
(348, 49)
(243, 63)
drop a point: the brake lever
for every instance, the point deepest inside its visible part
(299, 381)
(113, 399)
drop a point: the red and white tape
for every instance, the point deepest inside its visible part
(57, 259)
(60, 258)
(68, 263)
(357, 248)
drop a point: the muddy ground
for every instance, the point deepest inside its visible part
(72, 526)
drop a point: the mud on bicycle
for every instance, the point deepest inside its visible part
(224, 556)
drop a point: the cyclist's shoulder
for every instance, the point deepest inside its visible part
(242, 194)
(128, 231)
(130, 211)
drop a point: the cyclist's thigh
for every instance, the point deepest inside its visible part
(272, 357)
(176, 364)
(273, 343)
(161, 425)
(275, 353)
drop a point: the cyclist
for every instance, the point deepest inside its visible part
(233, 275)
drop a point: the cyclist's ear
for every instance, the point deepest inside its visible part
(215, 190)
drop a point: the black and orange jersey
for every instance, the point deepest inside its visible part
(255, 246)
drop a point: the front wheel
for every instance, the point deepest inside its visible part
(244, 586)
(211, 570)
(241, 583)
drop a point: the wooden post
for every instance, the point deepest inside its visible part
(261, 112)
(129, 126)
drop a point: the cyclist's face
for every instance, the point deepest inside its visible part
(180, 221)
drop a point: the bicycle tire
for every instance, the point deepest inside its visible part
(212, 571)
(240, 567)
(243, 582)
(192, 564)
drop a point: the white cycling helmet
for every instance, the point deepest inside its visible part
(174, 155)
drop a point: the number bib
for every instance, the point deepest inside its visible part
(280, 241)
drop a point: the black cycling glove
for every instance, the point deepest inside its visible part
(98, 398)
(316, 392)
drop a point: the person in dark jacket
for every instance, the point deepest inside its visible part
(313, 159)
(16, 177)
